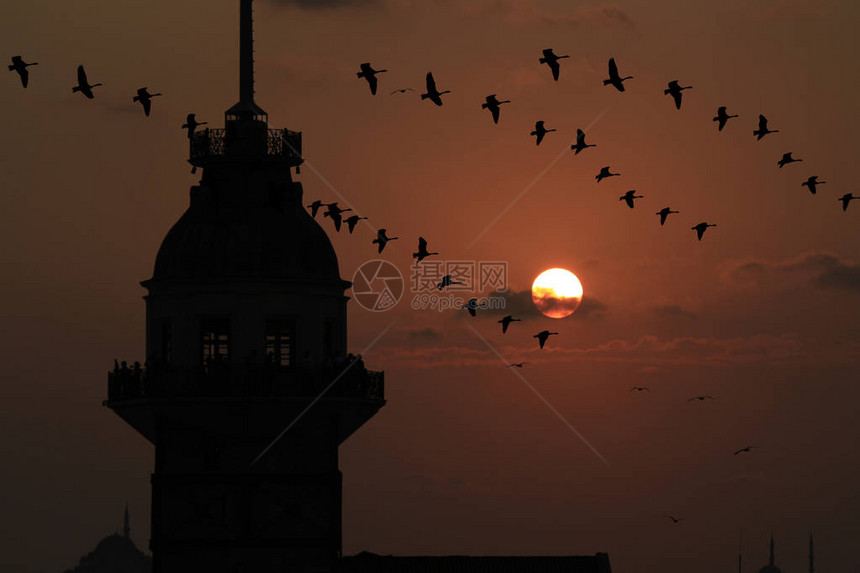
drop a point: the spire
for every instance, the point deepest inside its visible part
(772, 561)
(126, 528)
(246, 52)
(811, 556)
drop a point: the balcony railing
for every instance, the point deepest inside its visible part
(126, 383)
(208, 144)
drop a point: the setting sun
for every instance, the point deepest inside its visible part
(557, 293)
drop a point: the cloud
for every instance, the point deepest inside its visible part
(326, 4)
(521, 12)
(520, 305)
(672, 311)
(822, 270)
(426, 333)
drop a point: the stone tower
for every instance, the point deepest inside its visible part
(245, 334)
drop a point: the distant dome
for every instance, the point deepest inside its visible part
(263, 241)
(114, 554)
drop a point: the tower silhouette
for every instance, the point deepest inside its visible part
(245, 336)
(126, 526)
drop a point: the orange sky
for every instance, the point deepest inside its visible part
(762, 314)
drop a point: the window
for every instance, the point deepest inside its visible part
(215, 340)
(166, 341)
(280, 342)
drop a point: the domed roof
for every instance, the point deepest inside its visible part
(114, 554)
(267, 240)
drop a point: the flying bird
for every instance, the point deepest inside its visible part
(540, 131)
(675, 519)
(334, 212)
(786, 159)
(422, 250)
(191, 124)
(492, 104)
(353, 221)
(638, 389)
(447, 281)
(846, 199)
(722, 117)
(675, 90)
(747, 450)
(542, 336)
(145, 99)
(580, 142)
(315, 207)
(381, 239)
(471, 306)
(20, 66)
(812, 184)
(433, 94)
(507, 321)
(664, 213)
(604, 173)
(368, 73)
(762, 128)
(550, 59)
(700, 398)
(700, 229)
(517, 365)
(629, 197)
(402, 91)
(614, 78)
(83, 85)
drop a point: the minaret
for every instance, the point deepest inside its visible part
(245, 328)
(771, 561)
(811, 556)
(126, 527)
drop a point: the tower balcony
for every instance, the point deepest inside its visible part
(218, 145)
(249, 381)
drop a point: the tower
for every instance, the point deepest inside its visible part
(811, 556)
(245, 334)
(126, 526)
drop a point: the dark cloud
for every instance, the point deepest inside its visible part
(840, 276)
(822, 270)
(672, 311)
(520, 305)
(426, 333)
(326, 4)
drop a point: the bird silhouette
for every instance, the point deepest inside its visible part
(604, 173)
(664, 213)
(83, 85)
(700, 398)
(700, 229)
(517, 365)
(675, 90)
(747, 450)
(675, 519)
(638, 389)
(369, 74)
(352, 222)
(315, 207)
(433, 94)
(447, 281)
(846, 199)
(580, 142)
(382, 240)
(812, 183)
(629, 197)
(542, 336)
(422, 250)
(614, 78)
(550, 59)
(145, 99)
(762, 128)
(722, 117)
(506, 321)
(540, 131)
(786, 159)
(335, 212)
(191, 124)
(492, 104)
(471, 306)
(402, 91)
(20, 66)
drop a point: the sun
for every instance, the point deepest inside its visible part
(557, 293)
